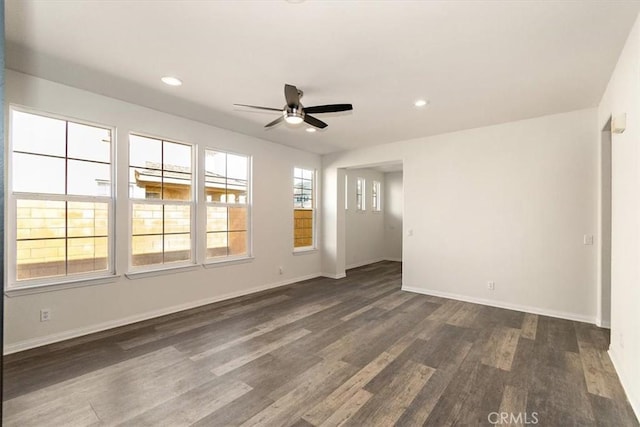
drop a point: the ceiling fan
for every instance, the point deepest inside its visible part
(295, 113)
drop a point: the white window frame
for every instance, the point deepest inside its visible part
(141, 269)
(376, 187)
(248, 205)
(314, 209)
(346, 192)
(361, 192)
(11, 282)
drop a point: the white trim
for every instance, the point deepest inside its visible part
(227, 261)
(181, 268)
(335, 276)
(500, 304)
(78, 332)
(51, 287)
(362, 263)
(601, 324)
(633, 400)
(305, 250)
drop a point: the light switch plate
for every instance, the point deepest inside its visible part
(588, 239)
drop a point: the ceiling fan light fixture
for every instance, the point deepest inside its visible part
(293, 120)
(293, 116)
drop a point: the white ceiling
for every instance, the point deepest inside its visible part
(478, 62)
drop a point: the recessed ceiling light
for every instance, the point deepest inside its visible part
(171, 81)
(421, 103)
(310, 130)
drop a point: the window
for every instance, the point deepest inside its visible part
(360, 191)
(346, 192)
(303, 208)
(375, 196)
(227, 194)
(61, 200)
(161, 202)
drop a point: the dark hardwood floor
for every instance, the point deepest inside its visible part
(357, 351)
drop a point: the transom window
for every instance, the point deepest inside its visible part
(61, 199)
(303, 208)
(227, 194)
(161, 201)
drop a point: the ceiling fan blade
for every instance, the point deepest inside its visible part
(259, 108)
(275, 122)
(314, 122)
(333, 108)
(291, 95)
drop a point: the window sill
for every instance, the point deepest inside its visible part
(52, 287)
(161, 271)
(305, 251)
(224, 262)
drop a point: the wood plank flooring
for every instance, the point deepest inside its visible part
(355, 352)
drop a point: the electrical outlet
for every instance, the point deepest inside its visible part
(281, 270)
(45, 315)
(491, 286)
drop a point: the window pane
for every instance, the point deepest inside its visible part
(145, 152)
(237, 243)
(40, 258)
(88, 178)
(145, 183)
(147, 250)
(216, 218)
(87, 219)
(237, 219)
(177, 219)
(297, 173)
(307, 174)
(177, 157)
(147, 219)
(38, 134)
(217, 244)
(303, 227)
(89, 143)
(236, 167)
(176, 186)
(87, 254)
(38, 174)
(40, 219)
(215, 164)
(177, 247)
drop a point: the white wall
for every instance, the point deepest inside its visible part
(364, 229)
(507, 203)
(393, 202)
(622, 96)
(86, 309)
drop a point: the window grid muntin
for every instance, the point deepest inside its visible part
(375, 196)
(360, 193)
(16, 196)
(304, 202)
(227, 205)
(163, 202)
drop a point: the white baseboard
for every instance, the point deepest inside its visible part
(86, 330)
(335, 276)
(362, 263)
(501, 304)
(633, 400)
